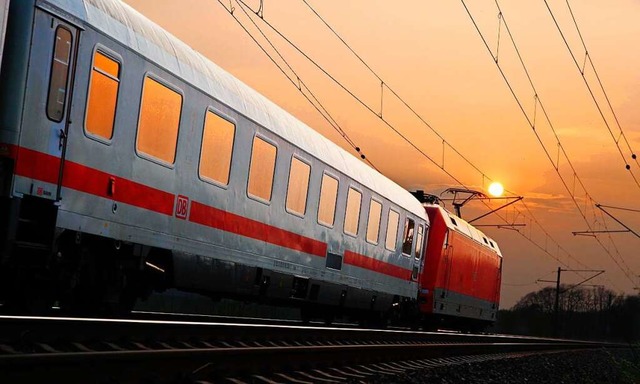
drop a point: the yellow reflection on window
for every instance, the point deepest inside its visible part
(327, 204)
(392, 230)
(217, 148)
(352, 216)
(103, 94)
(159, 121)
(373, 226)
(298, 186)
(261, 170)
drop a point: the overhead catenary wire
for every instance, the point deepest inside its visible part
(621, 208)
(531, 123)
(593, 97)
(529, 237)
(348, 91)
(390, 89)
(423, 120)
(433, 130)
(298, 83)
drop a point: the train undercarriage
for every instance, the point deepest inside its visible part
(44, 267)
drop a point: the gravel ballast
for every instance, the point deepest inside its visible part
(597, 367)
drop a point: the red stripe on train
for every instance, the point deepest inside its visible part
(44, 167)
(37, 165)
(372, 264)
(230, 222)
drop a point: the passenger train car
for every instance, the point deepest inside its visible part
(130, 163)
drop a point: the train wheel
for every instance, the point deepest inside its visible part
(97, 276)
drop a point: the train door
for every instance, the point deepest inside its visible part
(60, 91)
(45, 125)
(496, 290)
(448, 261)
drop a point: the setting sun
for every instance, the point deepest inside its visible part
(496, 189)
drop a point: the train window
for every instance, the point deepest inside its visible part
(373, 226)
(262, 169)
(407, 237)
(328, 197)
(217, 148)
(159, 121)
(392, 230)
(57, 96)
(418, 253)
(352, 215)
(103, 93)
(298, 186)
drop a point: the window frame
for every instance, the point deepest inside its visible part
(306, 199)
(275, 166)
(117, 58)
(60, 26)
(335, 202)
(366, 237)
(223, 116)
(171, 86)
(346, 212)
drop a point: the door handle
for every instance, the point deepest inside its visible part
(63, 137)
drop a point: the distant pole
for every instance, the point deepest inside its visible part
(556, 305)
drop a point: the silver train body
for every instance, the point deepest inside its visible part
(93, 219)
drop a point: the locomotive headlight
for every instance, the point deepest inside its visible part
(496, 189)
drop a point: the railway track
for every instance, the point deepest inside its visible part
(72, 350)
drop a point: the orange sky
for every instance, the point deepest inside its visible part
(432, 56)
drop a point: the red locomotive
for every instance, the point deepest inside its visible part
(460, 282)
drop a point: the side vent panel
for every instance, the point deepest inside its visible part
(334, 261)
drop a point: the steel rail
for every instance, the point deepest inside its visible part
(128, 351)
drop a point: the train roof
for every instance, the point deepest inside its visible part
(455, 223)
(129, 27)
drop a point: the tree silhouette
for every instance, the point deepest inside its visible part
(586, 313)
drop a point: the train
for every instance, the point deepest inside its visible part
(130, 164)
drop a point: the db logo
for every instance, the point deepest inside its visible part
(182, 207)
